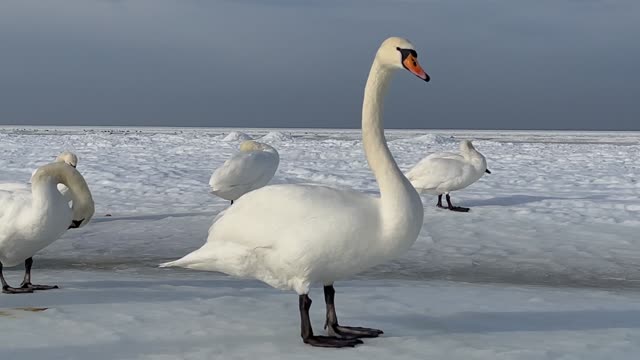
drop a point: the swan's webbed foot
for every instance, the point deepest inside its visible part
(353, 331)
(331, 341)
(455, 208)
(11, 290)
(26, 283)
(6, 289)
(37, 287)
(319, 341)
(347, 332)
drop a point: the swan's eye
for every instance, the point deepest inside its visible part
(408, 53)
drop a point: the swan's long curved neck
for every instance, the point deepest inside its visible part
(47, 177)
(389, 177)
(43, 191)
(400, 205)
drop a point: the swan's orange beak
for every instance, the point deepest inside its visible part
(410, 63)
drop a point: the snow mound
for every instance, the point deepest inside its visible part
(432, 139)
(277, 136)
(237, 136)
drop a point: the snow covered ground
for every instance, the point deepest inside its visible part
(545, 266)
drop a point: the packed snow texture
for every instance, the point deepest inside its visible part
(545, 266)
(276, 136)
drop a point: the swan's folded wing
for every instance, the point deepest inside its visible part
(275, 213)
(445, 155)
(430, 173)
(243, 169)
(12, 196)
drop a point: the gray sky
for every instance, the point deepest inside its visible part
(505, 64)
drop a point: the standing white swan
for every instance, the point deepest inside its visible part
(249, 169)
(441, 173)
(291, 236)
(32, 219)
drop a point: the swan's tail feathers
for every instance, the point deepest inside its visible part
(226, 258)
(175, 263)
(188, 261)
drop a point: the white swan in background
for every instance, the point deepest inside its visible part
(249, 169)
(31, 219)
(441, 173)
(290, 236)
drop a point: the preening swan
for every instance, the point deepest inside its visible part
(292, 235)
(31, 219)
(249, 169)
(68, 158)
(441, 173)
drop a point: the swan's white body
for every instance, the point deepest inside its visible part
(441, 173)
(249, 169)
(290, 236)
(33, 217)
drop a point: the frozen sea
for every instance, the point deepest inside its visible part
(545, 266)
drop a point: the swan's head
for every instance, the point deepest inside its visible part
(68, 157)
(399, 53)
(466, 147)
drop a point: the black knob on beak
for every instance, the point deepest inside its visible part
(75, 224)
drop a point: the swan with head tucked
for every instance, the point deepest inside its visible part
(293, 235)
(31, 219)
(441, 173)
(249, 169)
(68, 158)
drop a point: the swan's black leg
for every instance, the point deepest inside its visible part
(344, 331)
(455, 208)
(11, 290)
(439, 204)
(26, 283)
(231, 202)
(320, 341)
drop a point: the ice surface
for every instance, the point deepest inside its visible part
(560, 210)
